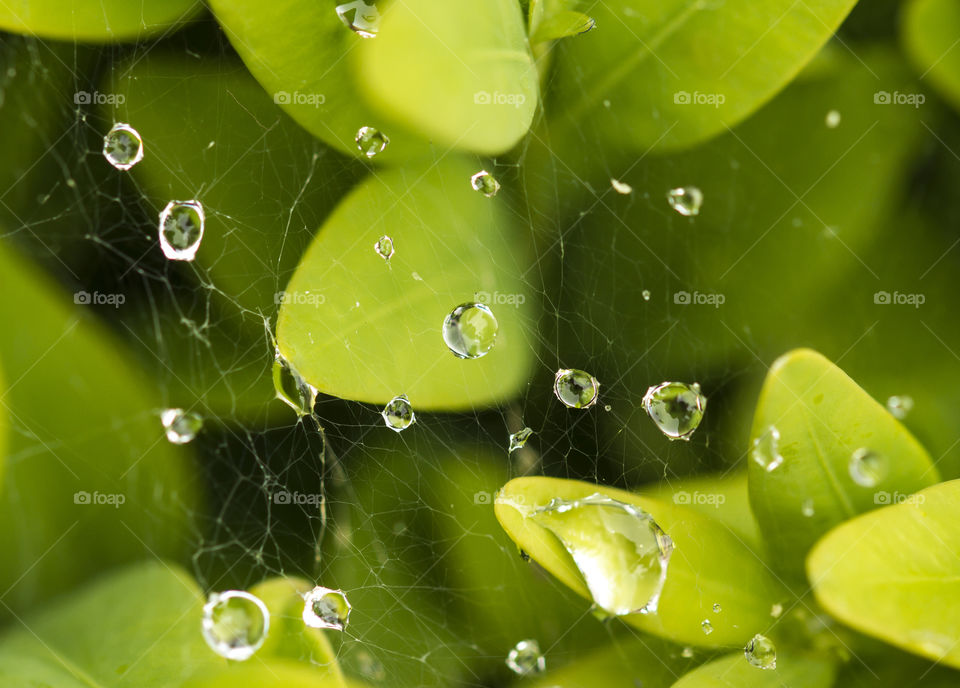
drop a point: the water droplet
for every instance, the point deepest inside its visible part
(766, 449)
(519, 439)
(776, 610)
(686, 200)
(371, 141)
(807, 508)
(717, 608)
(326, 608)
(676, 408)
(398, 413)
(235, 624)
(292, 389)
(181, 426)
(706, 626)
(761, 652)
(900, 406)
(525, 658)
(485, 183)
(867, 467)
(470, 330)
(621, 187)
(575, 388)
(645, 294)
(366, 19)
(832, 119)
(122, 146)
(181, 229)
(686, 652)
(384, 247)
(619, 549)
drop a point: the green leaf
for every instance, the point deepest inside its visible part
(100, 21)
(679, 72)
(823, 417)
(85, 433)
(561, 25)
(929, 33)
(734, 671)
(359, 328)
(709, 565)
(273, 674)
(894, 573)
(333, 82)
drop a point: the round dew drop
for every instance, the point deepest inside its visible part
(181, 229)
(761, 652)
(384, 247)
(576, 388)
(686, 200)
(235, 624)
(470, 330)
(676, 408)
(867, 468)
(181, 426)
(398, 414)
(326, 608)
(122, 146)
(717, 608)
(526, 659)
(371, 141)
(485, 183)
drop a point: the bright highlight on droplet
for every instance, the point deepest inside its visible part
(706, 627)
(362, 18)
(326, 608)
(576, 388)
(123, 146)
(485, 183)
(235, 624)
(384, 247)
(832, 120)
(181, 229)
(761, 652)
(398, 414)
(526, 659)
(900, 406)
(470, 330)
(867, 467)
(621, 187)
(766, 449)
(519, 439)
(291, 388)
(370, 141)
(181, 426)
(686, 200)
(676, 408)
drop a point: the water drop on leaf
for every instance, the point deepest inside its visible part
(766, 449)
(365, 19)
(706, 626)
(867, 467)
(384, 247)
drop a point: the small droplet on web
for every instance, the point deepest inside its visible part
(384, 247)
(761, 652)
(362, 18)
(717, 608)
(867, 467)
(607, 407)
(706, 626)
(645, 294)
(181, 426)
(371, 141)
(519, 439)
(575, 388)
(181, 229)
(470, 330)
(291, 388)
(326, 608)
(832, 119)
(72, 183)
(686, 200)
(122, 146)
(235, 624)
(621, 187)
(525, 658)
(676, 408)
(686, 652)
(766, 449)
(485, 183)
(398, 414)
(776, 610)
(900, 406)
(807, 508)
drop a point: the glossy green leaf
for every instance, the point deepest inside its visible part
(894, 573)
(709, 565)
(680, 72)
(823, 417)
(95, 20)
(794, 670)
(272, 674)
(562, 25)
(359, 328)
(930, 29)
(88, 460)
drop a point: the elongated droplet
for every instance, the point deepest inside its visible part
(235, 624)
(706, 627)
(362, 18)
(519, 439)
(867, 467)
(776, 610)
(371, 141)
(326, 608)
(485, 183)
(526, 659)
(619, 549)
(470, 330)
(292, 389)
(181, 229)
(122, 146)
(766, 449)
(384, 247)
(900, 406)
(621, 187)
(398, 414)
(761, 652)
(645, 294)
(181, 426)
(832, 119)
(686, 200)
(676, 408)
(576, 388)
